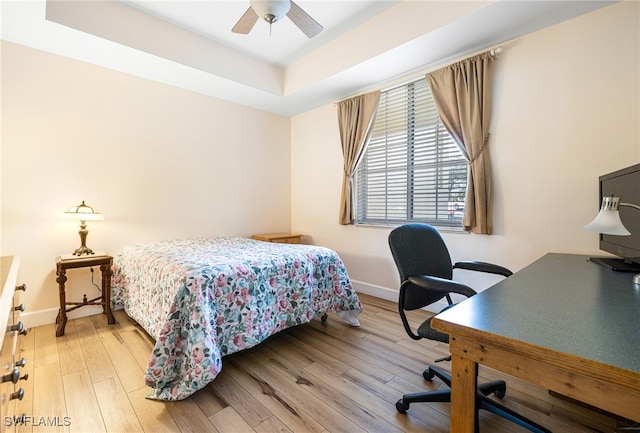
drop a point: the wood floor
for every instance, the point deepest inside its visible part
(313, 378)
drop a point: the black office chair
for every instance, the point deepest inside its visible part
(426, 273)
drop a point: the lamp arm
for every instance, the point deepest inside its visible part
(635, 206)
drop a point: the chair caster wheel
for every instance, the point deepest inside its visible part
(500, 392)
(401, 407)
(428, 375)
(324, 318)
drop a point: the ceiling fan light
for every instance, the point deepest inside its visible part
(271, 10)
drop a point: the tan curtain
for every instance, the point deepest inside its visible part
(355, 118)
(462, 93)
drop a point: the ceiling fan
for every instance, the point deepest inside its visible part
(274, 10)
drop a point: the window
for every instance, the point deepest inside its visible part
(412, 171)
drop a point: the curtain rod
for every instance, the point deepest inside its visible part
(413, 75)
(493, 52)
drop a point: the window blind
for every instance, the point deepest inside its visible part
(411, 171)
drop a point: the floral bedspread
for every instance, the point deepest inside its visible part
(202, 299)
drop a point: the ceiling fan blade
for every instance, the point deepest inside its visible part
(303, 20)
(246, 22)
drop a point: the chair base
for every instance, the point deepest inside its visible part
(497, 387)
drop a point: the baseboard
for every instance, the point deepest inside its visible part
(31, 319)
(390, 294)
(377, 291)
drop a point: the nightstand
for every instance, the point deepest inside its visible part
(68, 261)
(283, 238)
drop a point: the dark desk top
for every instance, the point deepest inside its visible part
(564, 303)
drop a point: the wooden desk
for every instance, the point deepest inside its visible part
(563, 323)
(63, 263)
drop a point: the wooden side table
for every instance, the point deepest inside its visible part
(105, 261)
(283, 238)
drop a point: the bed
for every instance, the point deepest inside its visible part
(202, 299)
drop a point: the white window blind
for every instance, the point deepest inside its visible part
(412, 171)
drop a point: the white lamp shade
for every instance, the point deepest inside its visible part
(83, 212)
(277, 8)
(608, 222)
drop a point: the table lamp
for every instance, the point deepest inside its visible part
(83, 213)
(608, 221)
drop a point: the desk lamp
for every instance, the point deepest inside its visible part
(608, 221)
(83, 213)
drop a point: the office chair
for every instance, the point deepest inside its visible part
(426, 272)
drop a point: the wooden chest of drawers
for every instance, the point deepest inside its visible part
(11, 328)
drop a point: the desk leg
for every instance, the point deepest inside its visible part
(464, 380)
(106, 292)
(61, 320)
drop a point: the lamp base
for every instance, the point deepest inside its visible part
(83, 232)
(618, 265)
(83, 250)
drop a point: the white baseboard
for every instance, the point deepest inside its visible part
(377, 291)
(390, 294)
(31, 319)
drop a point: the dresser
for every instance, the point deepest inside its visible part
(10, 309)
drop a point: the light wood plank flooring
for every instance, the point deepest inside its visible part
(313, 378)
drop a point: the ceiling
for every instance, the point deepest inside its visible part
(364, 44)
(284, 44)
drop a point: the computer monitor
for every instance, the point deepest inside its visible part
(625, 184)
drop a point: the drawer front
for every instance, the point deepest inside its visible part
(11, 328)
(7, 387)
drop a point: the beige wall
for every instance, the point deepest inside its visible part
(161, 162)
(566, 110)
(157, 161)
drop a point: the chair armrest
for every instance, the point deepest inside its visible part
(488, 268)
(432, 284)
(441, 285)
